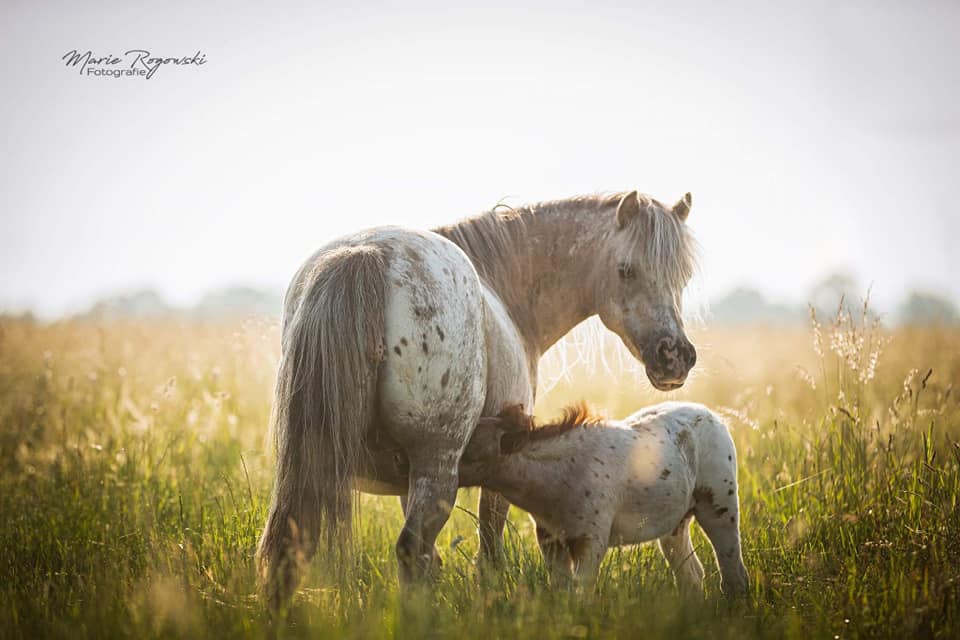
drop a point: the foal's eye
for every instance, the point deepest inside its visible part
(625, 271)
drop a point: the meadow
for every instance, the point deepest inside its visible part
(135, 470)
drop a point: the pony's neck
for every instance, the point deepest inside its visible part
(541, 261)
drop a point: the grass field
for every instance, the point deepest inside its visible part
(134, 474)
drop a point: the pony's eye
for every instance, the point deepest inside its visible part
(625, 271)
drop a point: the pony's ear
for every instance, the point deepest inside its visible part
(628, 209)
(682, 208)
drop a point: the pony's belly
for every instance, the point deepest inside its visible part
(508, 367)
(432, 382)
(378, 487)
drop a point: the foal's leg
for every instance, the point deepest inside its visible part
(719, 516)
(556, 555)
(677, 548)
(430, 498)
(587, 552)
(725, 538)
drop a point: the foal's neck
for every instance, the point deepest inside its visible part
(545, 267)
(528, 482)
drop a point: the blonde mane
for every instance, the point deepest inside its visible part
(497, 240)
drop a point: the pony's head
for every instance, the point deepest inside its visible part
(651, 258)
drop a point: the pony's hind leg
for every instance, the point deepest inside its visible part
(430, 498)
(677, 548)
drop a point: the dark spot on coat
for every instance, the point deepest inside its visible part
(586, 493)
(730, 458)
(664, 474)
(722, 511)
(440, 333)
(733, 520)
(729, 492)
(404, 342)
(703, 494)
(397, 351)
(445, 379)
(425, 348)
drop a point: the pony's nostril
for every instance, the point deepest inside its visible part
(664, 349)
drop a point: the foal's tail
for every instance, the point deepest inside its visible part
(323, 406)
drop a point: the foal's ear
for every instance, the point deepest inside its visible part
(682, 208)
(513, 418)
(628, 209)
(484, 445)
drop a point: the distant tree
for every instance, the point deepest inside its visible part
(140, 304)
(240, 301)
(925, 307)
(744, 305)
(828, 292)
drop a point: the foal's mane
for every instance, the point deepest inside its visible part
(521, 429)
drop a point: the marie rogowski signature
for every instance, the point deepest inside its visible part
(133, 63)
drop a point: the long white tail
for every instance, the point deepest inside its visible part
(323, 407)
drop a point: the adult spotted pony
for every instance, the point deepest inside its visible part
(408, 336)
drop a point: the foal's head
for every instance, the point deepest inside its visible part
(513, 429)
(651, 258)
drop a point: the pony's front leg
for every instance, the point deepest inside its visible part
(430, 498)
(436, 559)
(493, 517)
(677, 548)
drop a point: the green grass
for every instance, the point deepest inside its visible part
(134, 475)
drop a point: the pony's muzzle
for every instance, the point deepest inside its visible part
(670, 362)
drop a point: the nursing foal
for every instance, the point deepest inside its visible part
(591, 483)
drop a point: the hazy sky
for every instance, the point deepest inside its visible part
(813, 138)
